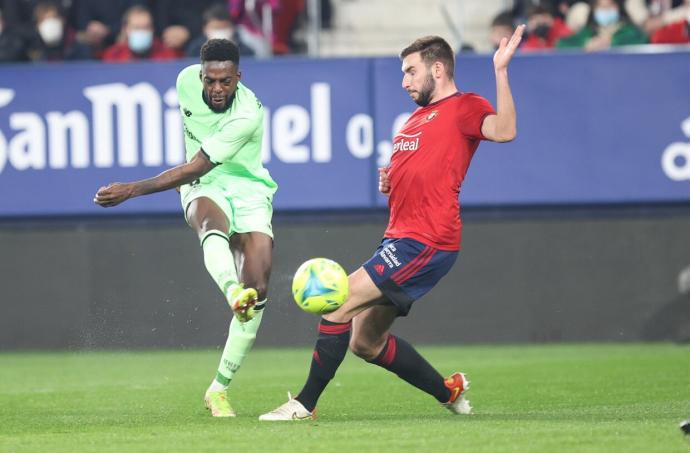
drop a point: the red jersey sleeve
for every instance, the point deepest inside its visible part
(471, 113)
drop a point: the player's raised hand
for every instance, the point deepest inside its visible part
(507, 48)
(384, 181)
(113, 194)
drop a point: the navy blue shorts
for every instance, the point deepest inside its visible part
(404, 270)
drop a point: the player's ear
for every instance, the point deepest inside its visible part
(200, 76)
(239, 75)
(437, 69)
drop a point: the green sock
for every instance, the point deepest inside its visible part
(218, 259)
(241, 337)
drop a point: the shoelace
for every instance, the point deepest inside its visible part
(285, 407)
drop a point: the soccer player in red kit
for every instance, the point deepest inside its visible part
(431, 155)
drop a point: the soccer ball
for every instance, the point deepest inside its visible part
(320, 286)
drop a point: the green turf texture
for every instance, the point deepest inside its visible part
(551, 398)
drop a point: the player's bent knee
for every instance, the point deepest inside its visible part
(363, 349)
(203, 232)
(209, 224)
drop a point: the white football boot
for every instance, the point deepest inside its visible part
(292, 410)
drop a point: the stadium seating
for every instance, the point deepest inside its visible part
(383, 27)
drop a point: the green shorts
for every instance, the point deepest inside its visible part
(245, 213)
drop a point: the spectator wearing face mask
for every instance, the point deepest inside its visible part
(608, 25)
(544, 29)
(137, 39)
(12, 46)
(98, 22)
(53, 40)
(217, 24)
(675, 33)
(20, 14)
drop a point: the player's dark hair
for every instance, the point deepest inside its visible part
(220, 50)
(432, 49)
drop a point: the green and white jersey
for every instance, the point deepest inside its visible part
(231, 139)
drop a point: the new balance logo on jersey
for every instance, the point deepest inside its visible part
(407, 142)
(379, 268)
(190, 135)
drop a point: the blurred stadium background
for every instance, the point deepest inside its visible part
(579, 231)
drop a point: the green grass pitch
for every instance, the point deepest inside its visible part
(550, 398)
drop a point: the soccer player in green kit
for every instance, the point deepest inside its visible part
(226, 195)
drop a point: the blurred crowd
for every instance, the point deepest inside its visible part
(127, 30)
(594, 25)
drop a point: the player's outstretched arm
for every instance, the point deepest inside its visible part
(502, 127)
(116, 193)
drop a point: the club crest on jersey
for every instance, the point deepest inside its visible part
(432, 115)
(407, 142)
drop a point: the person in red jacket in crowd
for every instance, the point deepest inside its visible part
(675, 33)
(543, 29)
(137, 40)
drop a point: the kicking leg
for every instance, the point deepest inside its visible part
(253, 258)
(211, 226)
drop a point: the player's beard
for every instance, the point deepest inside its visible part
(223, 109)
(427, 91)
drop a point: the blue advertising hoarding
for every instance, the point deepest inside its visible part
(606, 128)
(591, 129)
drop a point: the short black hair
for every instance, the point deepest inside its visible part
(432, 49)
(220, 50)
